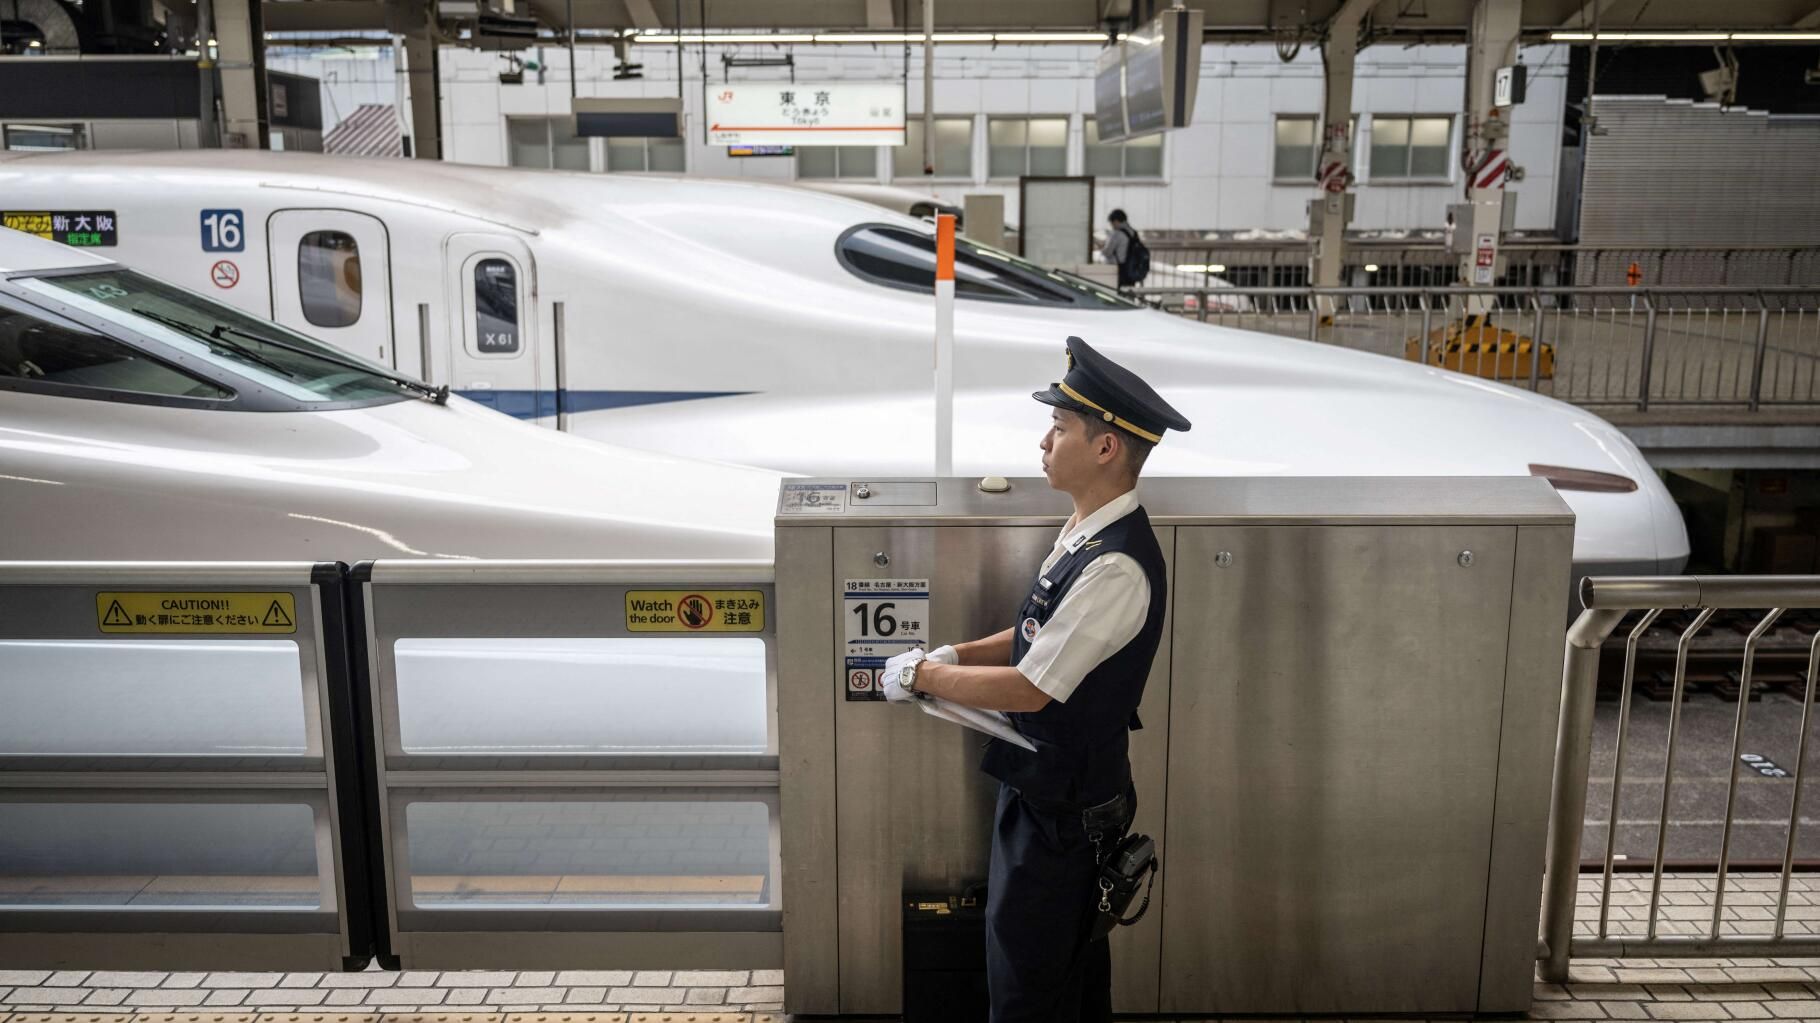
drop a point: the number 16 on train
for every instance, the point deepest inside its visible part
(223, 231)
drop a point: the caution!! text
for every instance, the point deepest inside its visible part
(263, 613)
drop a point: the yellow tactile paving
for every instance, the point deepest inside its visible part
(565, 1017)
(192, 1017)
(546, 884)
(691, 1017)
(345, 1016)
(442, 1017)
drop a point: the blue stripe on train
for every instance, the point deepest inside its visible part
(539, 404)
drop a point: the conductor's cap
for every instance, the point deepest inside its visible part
(1099, 388)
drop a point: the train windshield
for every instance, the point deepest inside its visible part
(289, 363)
(898, 257)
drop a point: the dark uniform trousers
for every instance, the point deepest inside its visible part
(1041, 897)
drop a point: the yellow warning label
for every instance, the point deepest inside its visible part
(262, 613)
(695, 611)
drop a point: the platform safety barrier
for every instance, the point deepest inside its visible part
(577, 762)
(1608, 601)
(444, 764)
(176, 766)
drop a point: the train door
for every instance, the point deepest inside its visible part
(496, 353)
(332, 279)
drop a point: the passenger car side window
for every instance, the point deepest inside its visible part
(328, 278)
(33, 349)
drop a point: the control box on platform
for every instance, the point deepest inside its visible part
(1347, 749)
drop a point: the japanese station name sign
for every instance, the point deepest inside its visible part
(788, 114)
(82, 228)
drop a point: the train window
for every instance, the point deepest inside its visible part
(35, 349)
(582, 696)
(289, 364)
(128, 697)
(700, 852)
(152, 854)
(328, 278)
(496, 308)
(899, 257)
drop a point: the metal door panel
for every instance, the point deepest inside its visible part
(915, 810)
(369, 335)
(1295, 767)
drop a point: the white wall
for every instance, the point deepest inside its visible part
(1217, 172)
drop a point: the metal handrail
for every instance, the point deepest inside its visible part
(1607, 601)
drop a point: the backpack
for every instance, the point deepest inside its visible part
(1137, 258)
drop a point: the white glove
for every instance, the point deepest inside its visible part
(891, 675)
(945, 655)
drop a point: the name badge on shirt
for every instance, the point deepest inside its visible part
(1030, 629)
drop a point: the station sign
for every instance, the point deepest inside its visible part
(790, 114)
(81, 228)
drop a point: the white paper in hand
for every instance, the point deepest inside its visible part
(991, 722)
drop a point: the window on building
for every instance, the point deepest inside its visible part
(1138, 158)
(1410, 148)
(328, 278)
(35, 349)
(837, 162)
(953, 149)
(662, 156)
(1295, 148)
(545, 143)
(1298, 146)
(1016, 146)
(45, 138)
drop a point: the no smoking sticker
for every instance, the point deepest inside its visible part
(224, 273)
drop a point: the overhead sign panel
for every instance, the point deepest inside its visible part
(789, 114)
(1146, 82)
(633, 117)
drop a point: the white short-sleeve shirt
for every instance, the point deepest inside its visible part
(1100, 613)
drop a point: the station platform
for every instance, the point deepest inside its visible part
(1628, 989)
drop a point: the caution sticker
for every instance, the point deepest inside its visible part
(695, 611)
(260, 613)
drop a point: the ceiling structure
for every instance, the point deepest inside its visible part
(1260, 21)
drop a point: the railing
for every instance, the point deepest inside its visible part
(1640, 347)
(1608, 601)
(1425, 263)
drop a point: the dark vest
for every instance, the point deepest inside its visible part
(1080, 757)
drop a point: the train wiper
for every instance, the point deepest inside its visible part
(438, 395)
(210, 338)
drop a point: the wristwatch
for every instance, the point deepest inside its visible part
(906, 679)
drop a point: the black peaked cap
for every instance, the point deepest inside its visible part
(1096, 386)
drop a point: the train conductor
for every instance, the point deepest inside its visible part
(1069, 675)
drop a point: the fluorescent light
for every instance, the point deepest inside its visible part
(1191, 268)
(728, 39)
(1371, 268)
(1051, 37)
(1776, 37)
(1649, 37)
(1217, 268)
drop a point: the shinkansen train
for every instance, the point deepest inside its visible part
(141, 421)
(779, 327)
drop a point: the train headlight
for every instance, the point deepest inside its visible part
(1565, 478)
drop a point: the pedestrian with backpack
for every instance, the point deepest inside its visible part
(1125, 250)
